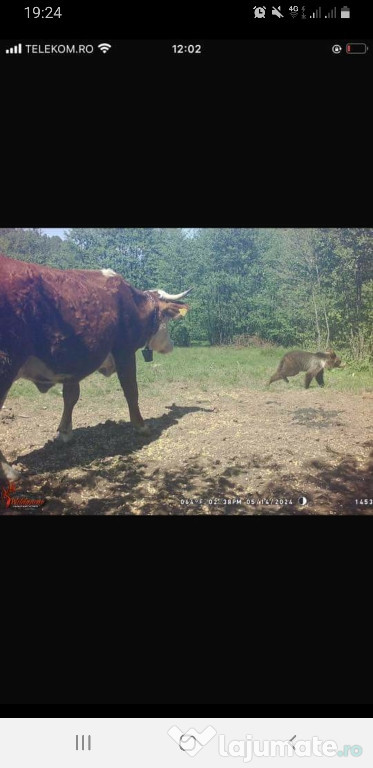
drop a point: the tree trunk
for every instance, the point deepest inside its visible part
(316, 320)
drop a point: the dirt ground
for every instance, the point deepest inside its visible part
(234, 452)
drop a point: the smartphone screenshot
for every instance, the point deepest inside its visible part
(217, 369)
(186, 382)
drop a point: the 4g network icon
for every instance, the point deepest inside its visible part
(191, 741)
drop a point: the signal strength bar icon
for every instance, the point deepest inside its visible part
(332, 14)
(316, 14)
(15, 49)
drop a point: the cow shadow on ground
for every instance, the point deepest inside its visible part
(102, 441)
(122, 485)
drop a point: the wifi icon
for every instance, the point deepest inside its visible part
(104, 47)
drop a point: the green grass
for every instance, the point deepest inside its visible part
(208, 368)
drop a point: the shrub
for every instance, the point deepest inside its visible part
(180, 335)
(245, 340)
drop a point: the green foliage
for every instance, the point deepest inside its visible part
(31, 245)
(180, 334)
(309, 288)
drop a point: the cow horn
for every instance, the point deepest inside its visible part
(171, 296)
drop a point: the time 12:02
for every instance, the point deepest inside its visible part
(186, 48)
(43, 13)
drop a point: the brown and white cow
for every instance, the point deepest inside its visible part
(59, 326)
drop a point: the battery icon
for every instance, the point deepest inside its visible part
(345, 12)
(356, 48)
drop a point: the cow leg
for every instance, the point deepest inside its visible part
(7, 377)
(6, 471)
(3, 398)
(71, 393)
(126, 369)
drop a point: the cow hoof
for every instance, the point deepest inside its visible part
(9, 473)
(64, 437)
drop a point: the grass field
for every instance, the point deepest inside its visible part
(217, 434)
(208, 369)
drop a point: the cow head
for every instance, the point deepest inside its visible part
(160, 341)
(169, 309)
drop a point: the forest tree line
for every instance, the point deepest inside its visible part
(311, 288)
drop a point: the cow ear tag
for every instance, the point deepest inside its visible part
(183, 311)
(147, 355)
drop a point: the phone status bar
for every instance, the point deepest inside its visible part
(237, 22)
(301, 12)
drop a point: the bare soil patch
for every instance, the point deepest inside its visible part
(234, 452)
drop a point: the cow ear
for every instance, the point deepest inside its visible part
(173, 310)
